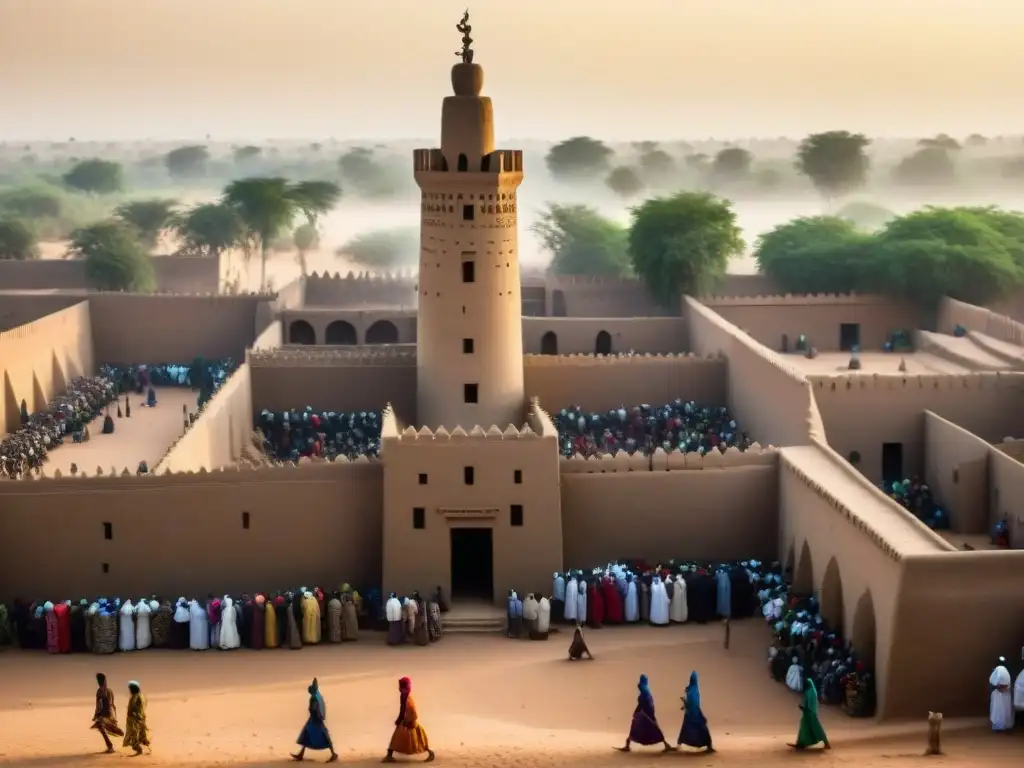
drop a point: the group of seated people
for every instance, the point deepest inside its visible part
(296, 434)
(677, 426)
(206, 376)
(916, 497)
(66, 415)
(803, 645)
(286, 619)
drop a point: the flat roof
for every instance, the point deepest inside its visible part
(836, 364)
(146, 436)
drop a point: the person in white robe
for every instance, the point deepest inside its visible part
(581, 602)
(1000, 708)
(795, 676)
(543, 618)
(572, 595)
(198, 627)
(143, 634)
(229, 637)
(1018, 692)
(558, 597)
(679, 610)
(531, 610)
(659, 603)
(632, 607)
(393, 613)
(409, 610)
(126, 630)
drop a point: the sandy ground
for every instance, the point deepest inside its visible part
(486, 701)
(146, 436)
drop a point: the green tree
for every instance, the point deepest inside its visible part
(657, 166)
(683, 243)
(209, 229)
(315, 198)
(246, 154)
(99, 177)
(836, 162)
(383, 248)
(732, 163)
(150, 218)
(582, 242)
(17, 241)
(115, 260)
(266, 207)
(624, 181)
(927, 167)
(1009, 224)
(306, 238)
(580, 157)
(942, 141)
(868, 216)
(31, 202)
(815, 254)
(187, 162)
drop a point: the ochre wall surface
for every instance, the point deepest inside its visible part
(862, 412)
(598, 383)
(953, 313)
(174, 274)
(957, 469)
(819, 317)
(183, 534)
(612, 509)
(290, 296)
(138, 328)
(39, 359)
(335, 380)
(22, 307)
(523, 557)
(361, 291)
(215, 439)
(574, 335)
(361, 320)
(770, 399)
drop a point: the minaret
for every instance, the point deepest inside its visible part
(469, 325)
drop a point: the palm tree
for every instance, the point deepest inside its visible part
(266, 207)
(148, 217)
(209, 229)
(315, 197)
(305, 238)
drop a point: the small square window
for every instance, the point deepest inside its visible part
(469, 393)
(468, 475)
(423, 478)
(468, 212)
(517, 515)
(419, 518)
(245, 520)
(469, 271)
(517, 477)
(467, 346)
(108, 531)
(105, 567)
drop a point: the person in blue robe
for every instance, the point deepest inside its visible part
(723, 593)
(151, 397)
(644, 728)
(695, 732)
(314, 733)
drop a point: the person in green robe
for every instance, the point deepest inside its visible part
(811, 732)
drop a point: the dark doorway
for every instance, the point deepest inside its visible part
(472, 563)
(892, 463)
(558, 308)
(603, 346)
(382, 332)
(549, 343)
(340, 332)
(301, 332)
(849, 336)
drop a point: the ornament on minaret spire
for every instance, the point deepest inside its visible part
(466, 54)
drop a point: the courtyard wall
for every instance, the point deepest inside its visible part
(578, 335)
(174, 274)
(952, 313)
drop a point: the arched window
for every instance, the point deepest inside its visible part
(463, 163)
(549, 343)
(382, 332)
(558, 302)
(603, 346)
(301, 332)
(340, 332)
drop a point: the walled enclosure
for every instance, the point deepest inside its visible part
(669, 499)
(577, 335)
(862, 412)
(39, 359)
(174, 274)
(419, 559)
(976, 482)
(953, 313)
(185, 534)
(819, 317)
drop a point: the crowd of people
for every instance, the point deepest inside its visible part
(805, 649)
(287, 619)
(296, 434)
(916, 497)
(66, 415)
(70, 414)
(677, 426)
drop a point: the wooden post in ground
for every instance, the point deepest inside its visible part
(934, 734)
(727, 632)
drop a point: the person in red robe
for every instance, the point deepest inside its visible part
(613, 608)
(595, 605)
(63, 614)
(50, 619)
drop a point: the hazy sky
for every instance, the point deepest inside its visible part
(658, 69)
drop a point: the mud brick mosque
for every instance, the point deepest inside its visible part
(466, 361)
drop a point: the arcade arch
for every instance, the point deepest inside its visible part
(549, 343)
(803, 576)
(301, 332)
(340, 332)
(603, 343)
(863, 636)
(831, 598)
(382, 332)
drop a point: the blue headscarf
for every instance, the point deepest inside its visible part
(693, 694)
(642, 685)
